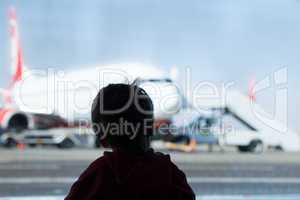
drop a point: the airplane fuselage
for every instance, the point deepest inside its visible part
(70, 93)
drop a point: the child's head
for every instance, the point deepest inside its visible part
(122, 116)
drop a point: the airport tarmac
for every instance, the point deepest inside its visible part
(49, 172)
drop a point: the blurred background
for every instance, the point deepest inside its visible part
(219, 41)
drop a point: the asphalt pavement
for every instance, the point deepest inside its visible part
(50, 173)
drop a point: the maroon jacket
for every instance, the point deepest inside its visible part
(120, 175)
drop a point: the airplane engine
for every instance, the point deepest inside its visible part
(14, 120)
(17, 121)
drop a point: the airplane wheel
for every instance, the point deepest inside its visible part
(257, 146)
(66, 144)
(32, 145)
(10, 142)
(243, 148)
(278, 148)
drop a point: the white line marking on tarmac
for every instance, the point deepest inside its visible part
(68, 180)
(268, 180)
(225, 168)
(40, 180)
(34, 198)
(249, 197)
(29, 167)
(210, 197)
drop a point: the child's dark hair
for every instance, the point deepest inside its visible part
(122, 116)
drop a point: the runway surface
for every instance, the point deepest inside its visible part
(50, 173)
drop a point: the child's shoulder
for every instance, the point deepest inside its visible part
(160, 155)
(98, 163)
(162, 158)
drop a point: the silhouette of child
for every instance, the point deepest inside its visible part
(122, 116)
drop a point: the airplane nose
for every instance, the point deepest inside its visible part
(165, 97)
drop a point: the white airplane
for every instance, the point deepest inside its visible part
(34, 95)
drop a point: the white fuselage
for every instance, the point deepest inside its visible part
(70, 93)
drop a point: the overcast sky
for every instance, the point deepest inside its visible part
(221, 40)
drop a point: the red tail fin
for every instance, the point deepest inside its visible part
(16, 57)
(16, 51)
